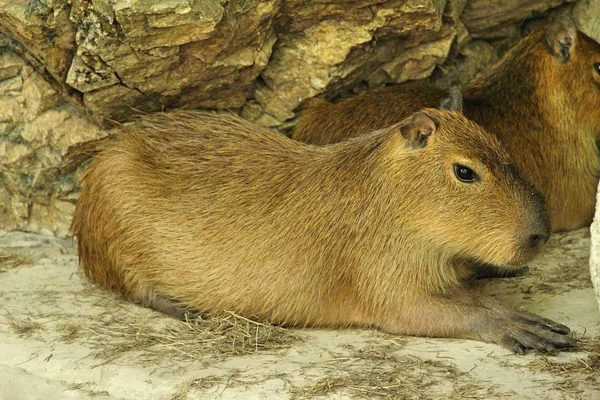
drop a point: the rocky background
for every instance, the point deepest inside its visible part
(69, 69)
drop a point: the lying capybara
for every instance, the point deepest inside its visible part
(542, 100)
(197, 211)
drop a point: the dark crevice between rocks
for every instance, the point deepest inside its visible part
(126, 85)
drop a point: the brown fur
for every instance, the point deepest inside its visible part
(207, 211)
(542, 104)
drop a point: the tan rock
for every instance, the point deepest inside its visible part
(174, 53)
(39, 127)
(53, 215)
(595, 253)
(323, 47)
(586, 15)
(12, 85)
(333, 55)
(10, 65)
(43, 28)
(498, 18)
(85, 79)
(13, 152)
(11, 109)
(418, 62)
(148, 25)
(455, 8)
(476, 57)
(39, 95)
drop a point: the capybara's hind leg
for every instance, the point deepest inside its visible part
(168, 306)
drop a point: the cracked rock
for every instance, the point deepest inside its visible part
(38, 188)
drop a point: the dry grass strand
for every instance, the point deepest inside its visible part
(24, 326)
(379, 373)
(210, 336)
(10, 261)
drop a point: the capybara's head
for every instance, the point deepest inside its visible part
(463, 192)
(572, 63)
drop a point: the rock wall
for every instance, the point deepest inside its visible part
(71, 68)
(595, 251)
(37, 128)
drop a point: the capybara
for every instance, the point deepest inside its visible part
(189, 210)
(542, 100)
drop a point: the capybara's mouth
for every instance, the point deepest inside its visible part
(490, 270)
(508, 264)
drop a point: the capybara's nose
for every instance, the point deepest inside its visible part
(537, 239)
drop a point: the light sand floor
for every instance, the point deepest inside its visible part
(63, 338)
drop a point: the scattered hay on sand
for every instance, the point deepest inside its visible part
(379, 373)
(122, 329)
(589, 366)
(211, 336)
(10, 261)
(69, 332)
(214, 385)
(575, 376)
(85, 388)
(24, 326)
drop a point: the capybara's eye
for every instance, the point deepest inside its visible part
(464, 174)
(597, 67)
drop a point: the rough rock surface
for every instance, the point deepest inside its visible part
(393, 40)
(37, 128)
(264, 57)
(595, 252)
(63, 338)
(66, 63)
(586, 14)
(496, 18)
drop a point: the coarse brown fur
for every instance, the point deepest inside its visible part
(192, 210)
(542, 100)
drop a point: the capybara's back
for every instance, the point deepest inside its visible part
(323, 123)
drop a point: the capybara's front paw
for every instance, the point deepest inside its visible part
(520, 331)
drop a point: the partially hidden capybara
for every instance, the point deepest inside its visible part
(542, 100)
(190, 210)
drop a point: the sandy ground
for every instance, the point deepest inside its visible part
(63, 338)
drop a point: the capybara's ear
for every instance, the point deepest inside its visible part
(418, 129)
(454, 101)
(561, 37)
